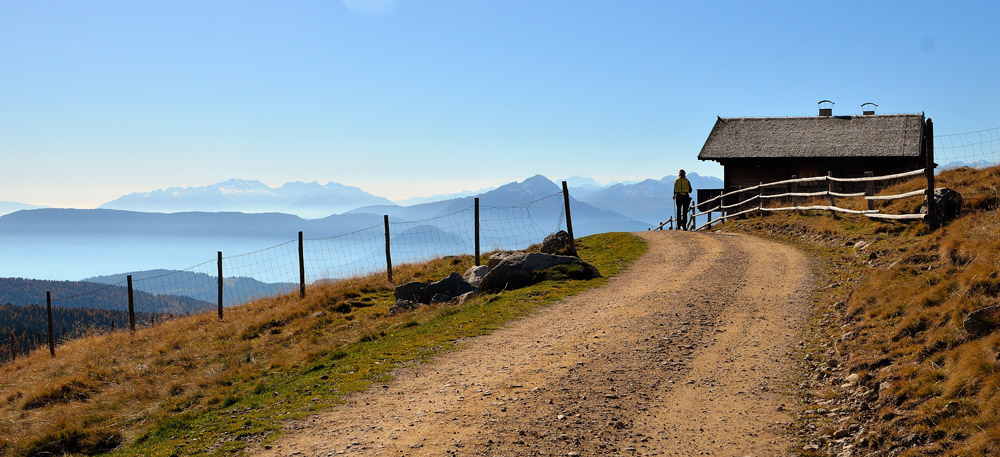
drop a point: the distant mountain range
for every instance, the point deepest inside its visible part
(620, 207)
(587, 219)
(641, 201)
(959, 163)
(650, 201)
(107, 222)
(10, 207)
(310, 200)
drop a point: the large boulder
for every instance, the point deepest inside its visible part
(947, 204)
(512, 270)
(474, 275)
(559, 243)
(431, 292)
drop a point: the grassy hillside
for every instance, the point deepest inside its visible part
(891, 371)
(195, 385)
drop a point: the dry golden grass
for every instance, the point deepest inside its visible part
(110, 387)
(903, 299)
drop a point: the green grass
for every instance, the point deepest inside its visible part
(253, 409)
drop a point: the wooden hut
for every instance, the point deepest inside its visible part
(767, 149)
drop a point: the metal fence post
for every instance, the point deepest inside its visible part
(48, 312)
(220, 284)
(388, 256)
(302, 269)
(131, 306)
(477, 231)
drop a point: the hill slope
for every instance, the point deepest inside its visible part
(83, 294)
(892, 370)
(195, 385)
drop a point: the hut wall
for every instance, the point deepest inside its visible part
(749, 172)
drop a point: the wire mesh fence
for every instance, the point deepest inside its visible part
(979, 149)
(141, 299)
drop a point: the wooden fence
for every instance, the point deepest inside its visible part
(747, 197)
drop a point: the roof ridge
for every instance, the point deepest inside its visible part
(823, 117)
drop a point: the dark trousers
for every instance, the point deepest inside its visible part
(682, 203)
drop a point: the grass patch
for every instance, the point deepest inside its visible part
(64, 391)
(197, 386)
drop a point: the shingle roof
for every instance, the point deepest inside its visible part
(888, 135)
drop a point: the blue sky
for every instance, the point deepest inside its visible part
(406, 98)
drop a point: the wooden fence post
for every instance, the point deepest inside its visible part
(829, 187)
(693, 209)
(48, 312)
(760, 198)
(829, 192)
(388, 256)
(870, 189)
(302, 269)
(794, 188)
(569, 219)
(928, 141)
(219, 262)
(131, 306)
(477, 231)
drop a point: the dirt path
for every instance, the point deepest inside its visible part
(655, 363)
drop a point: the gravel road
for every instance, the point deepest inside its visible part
(686, 353)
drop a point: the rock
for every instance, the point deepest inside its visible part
(461, 299)
(495, 259)
(982, 321)
(433, 292)
(951, 408)
(474, 275)
(512, 270)
(559, 243)
(853, 378)
(947, 203)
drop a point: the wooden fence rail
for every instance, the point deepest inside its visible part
(869, 179)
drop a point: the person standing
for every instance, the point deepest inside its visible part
(682, 199)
